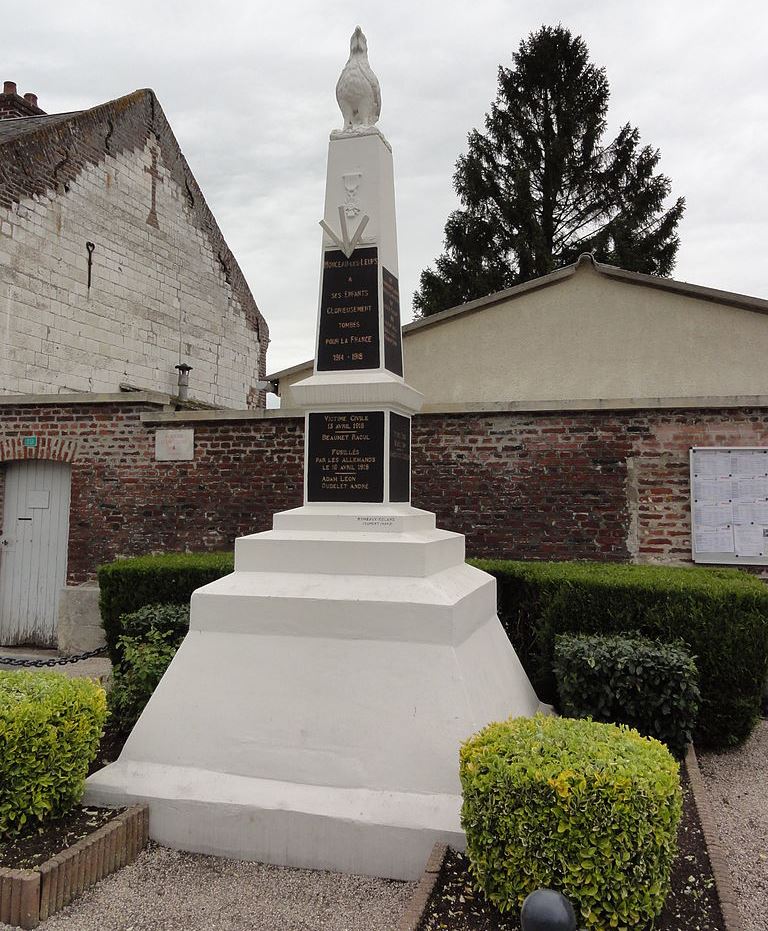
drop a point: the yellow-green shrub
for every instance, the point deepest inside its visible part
(50, 727)
(590, 809)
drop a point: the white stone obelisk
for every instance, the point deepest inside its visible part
(313, 714)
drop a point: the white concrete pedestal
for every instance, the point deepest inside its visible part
(313, 715)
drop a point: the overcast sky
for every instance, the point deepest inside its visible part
(248, 88)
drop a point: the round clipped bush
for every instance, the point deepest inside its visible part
(589, 809)
(50, 728)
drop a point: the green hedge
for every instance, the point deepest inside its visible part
(650, 686)
(720, 614)
(128, 584)
(586, 808)
(50, 728)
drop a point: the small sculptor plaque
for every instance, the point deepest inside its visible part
(393, 339)
(345, 456)
(349, 311)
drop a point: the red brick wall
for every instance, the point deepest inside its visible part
(125, 503)
(612, 485)
(526, 486)
(595, 485)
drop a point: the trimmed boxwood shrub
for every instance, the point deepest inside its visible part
(720, 614)
(650, 686)
(589, 809)
(50, 728)
(128, 584)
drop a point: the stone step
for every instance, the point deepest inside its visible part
(442, 608)
(361, 831)
(417, 554)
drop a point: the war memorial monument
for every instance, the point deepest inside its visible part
(312, 716)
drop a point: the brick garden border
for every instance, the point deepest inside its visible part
(28, 897)
(414, 914)
(417, 906)
(718, 858)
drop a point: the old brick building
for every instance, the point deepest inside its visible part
(113, 275)
(112, 268)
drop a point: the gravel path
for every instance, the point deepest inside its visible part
(737, 789)
(165, 890)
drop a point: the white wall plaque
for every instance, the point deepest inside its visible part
(729, 505)
(174, 445)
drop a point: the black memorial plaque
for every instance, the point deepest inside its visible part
(349, 311)
(399, 458)
(345, 456)
(393, 340)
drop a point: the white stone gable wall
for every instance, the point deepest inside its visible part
(153, 291)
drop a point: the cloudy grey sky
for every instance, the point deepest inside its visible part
(248, 88)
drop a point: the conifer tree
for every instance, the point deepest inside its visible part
(539, 187)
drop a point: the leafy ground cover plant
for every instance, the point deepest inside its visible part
(650, 686)
(721, 615)
(128, 584)
(152, 636)
(50, 727)
(590, 809)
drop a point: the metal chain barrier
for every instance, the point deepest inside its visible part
(40, 663)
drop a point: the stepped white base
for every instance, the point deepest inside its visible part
(312, 717)
(363, 831)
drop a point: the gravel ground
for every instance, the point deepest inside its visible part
(737, 789)
(165, 890)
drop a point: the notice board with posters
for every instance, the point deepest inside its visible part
(729, 505)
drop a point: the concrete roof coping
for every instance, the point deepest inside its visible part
(220, 416)
(478, 407)
(84, 397)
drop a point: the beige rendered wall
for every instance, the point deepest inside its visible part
(590, 336)
(584, 337)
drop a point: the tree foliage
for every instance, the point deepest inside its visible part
(539, 187)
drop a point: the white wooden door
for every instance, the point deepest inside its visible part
(33, 550)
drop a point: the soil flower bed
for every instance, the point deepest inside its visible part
(39, 843)
(49, 864)
(456, 905)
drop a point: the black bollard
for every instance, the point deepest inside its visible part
(547, 910)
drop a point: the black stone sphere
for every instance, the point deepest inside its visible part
(547, 910)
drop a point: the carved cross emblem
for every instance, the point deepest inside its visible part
(155, 175)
